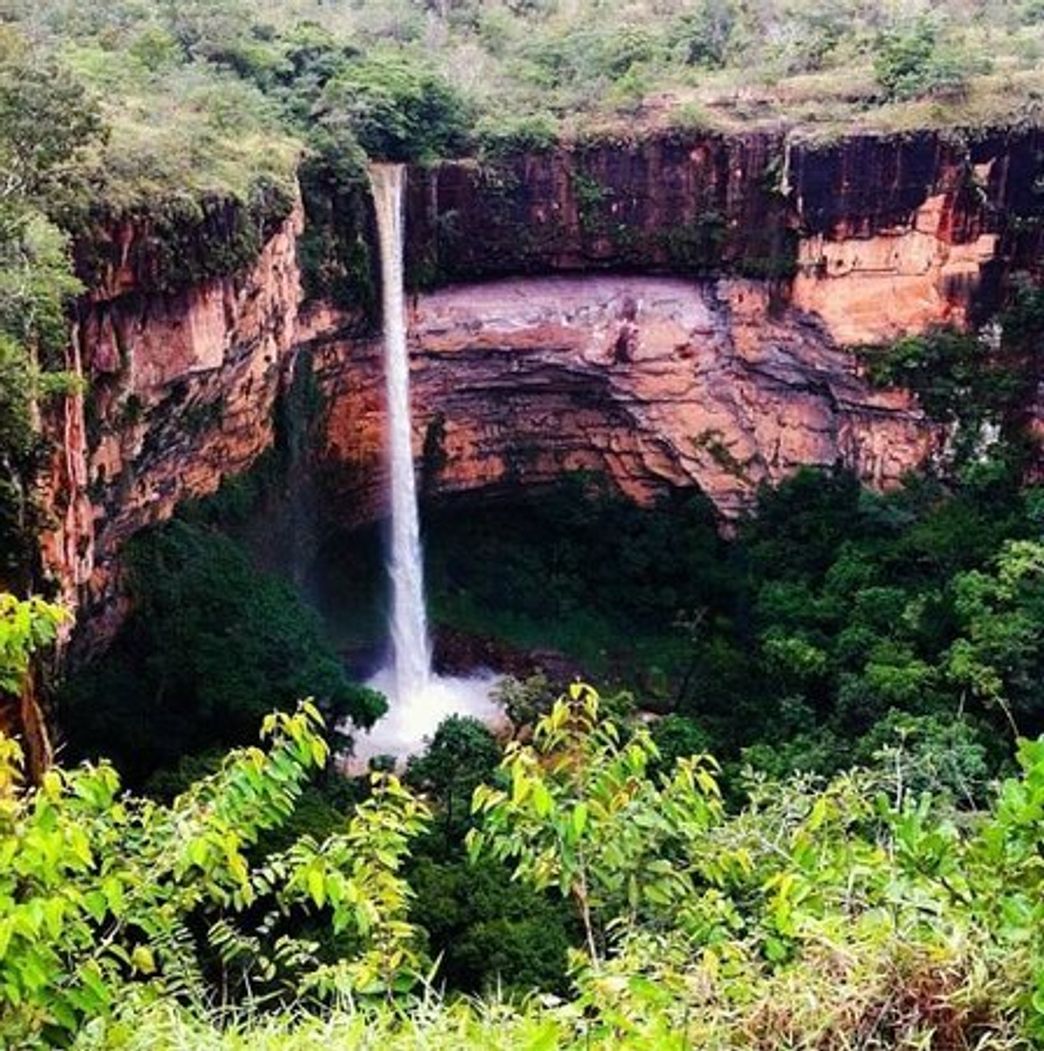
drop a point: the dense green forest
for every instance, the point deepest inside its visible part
(220, 95)
(859, 870)
(807, 810)
(866, 911)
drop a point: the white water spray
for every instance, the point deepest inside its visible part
(411, 649)
(418, 700)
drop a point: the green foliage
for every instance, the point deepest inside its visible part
(177, 132)
(17, 434)
(336, 258)
(499, 135)
(46, 123)
(35, 289)
(752, 904)
(461, 755)
(864, 911)
(100, 892)
(218, 97)
(25, 627)
(578, 567)
(18, 455)
(396, 109)
(391, 104)
(964, 380)
(998, 656)
(489, 932)
(704, 34)
(831, 608)
(858, 609)
(676, 737)
(211, 645)
(524, 700)
(591, 197)
(578, 813)
(927, 753)
(912, 62)
(46, 119)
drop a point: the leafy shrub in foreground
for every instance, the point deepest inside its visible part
(100, 891)
(858, 913)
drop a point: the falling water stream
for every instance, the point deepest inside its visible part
(418, 700)
(411, 650)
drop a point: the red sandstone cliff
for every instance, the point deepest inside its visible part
(731, 372)
(182, 387)
(654, 381)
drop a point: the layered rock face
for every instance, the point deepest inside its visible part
(881, 235)
(182, 386)
(722, 381)
(695, 332)
(655, 382)
(688, 204)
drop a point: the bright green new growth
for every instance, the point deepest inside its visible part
(583, 813)
(25, 627)
(859, 913)
(100, 891)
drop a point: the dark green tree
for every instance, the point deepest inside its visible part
(462, 754)
(211, 642)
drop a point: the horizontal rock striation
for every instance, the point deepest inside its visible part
(672, 311)
(655, 382)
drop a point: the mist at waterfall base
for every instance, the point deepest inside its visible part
(418, 699)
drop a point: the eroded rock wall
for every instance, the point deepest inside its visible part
(686, 204)
(878, 235)
(180, 393)
(654, 381)
(674, 311)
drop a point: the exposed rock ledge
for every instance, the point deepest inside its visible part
(183, 386)
(698, 378)
(654, 381)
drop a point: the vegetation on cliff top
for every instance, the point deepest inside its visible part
(218, 96)
(167, 110)
(47, 123)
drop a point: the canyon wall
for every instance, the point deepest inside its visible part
(656, 382)
(181, 388)
(674, 312)
(879, 234)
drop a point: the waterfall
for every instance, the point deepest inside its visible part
(411, 649)
(418, 699)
